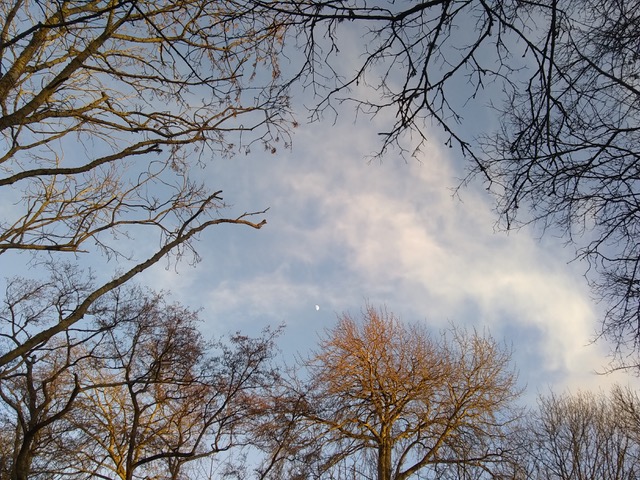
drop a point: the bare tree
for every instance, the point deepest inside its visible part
(37, 392)
(385, 400)
(568, 149)
(37, 397)
(579, 436)
(563, 76)
(134, 391)
(161, 398)
(106, 108)
(423, 61)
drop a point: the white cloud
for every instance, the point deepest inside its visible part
(342, 231)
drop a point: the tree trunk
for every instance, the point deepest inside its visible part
(384, 460)
(22, 463)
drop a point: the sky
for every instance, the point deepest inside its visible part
(343, 231)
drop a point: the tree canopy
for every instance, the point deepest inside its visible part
(562, 78)
(106, 109)
(107, 106)
(383, 399)
(137, 391)
(580, 435)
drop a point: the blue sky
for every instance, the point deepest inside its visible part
(343, 230)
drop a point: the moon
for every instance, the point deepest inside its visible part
(317, 307)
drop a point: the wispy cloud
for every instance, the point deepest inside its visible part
(343, 231)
